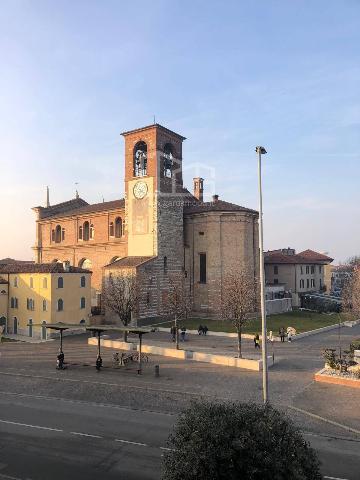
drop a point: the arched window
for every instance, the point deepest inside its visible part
(140, 159)
(63, 234)
(58, 234)
(80, 232)
(82, 281)
(165, 264)
(92, 231)
(118, 227)
(86, 231)
(82, 302)
(16, 302)
(44, 282)
(111, 229)
(60, 305)
(60, 282)
(168, 156)
(3, 292)
(44, 305)
(85, 263)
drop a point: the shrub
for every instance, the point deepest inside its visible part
(355, 345)
(241, 441)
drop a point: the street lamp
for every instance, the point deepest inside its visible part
(261, 151)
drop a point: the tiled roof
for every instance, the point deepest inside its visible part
(152, 126)
(217, 206)
(7, 261)
(3, 281)
(60, 208)
(129, 262)
(94, 208)
(308, 256)
(39, 268)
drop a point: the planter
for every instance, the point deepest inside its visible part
(327, 375)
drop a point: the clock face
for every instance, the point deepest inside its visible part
(140, 189)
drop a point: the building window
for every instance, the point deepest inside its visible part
(31, 282)
(80, 232)
(92, 232)
(60, 282)
(276, 281)
(165, 264)
(30, 304)
(301, 270)
(202, 267)
(15, 281)
(44, 305)
(53, 235)
(307, 283)
(168, 160)
(60, 305)
(63, 234)
(148, 299)
(319, 268)
(276, 270)
(307, 269)
(82, 302)
(58, 234)
(118, 227)
(313, 282)
(312, 269)
(12, 302)
(16, 303)
(44, 282)
(302, 283)
(86, 231)
(111, 229)
(82, 281)
(140, 159)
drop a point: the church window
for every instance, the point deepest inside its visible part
(82, 281)
(111, 229)
(58, 234)
(140, 159)
(118, 227)
(86, 231)
(80, 232)
(60, 305)
(60, 282)
(165, 264)
(92, 231)
(202, 278)
(168, 160)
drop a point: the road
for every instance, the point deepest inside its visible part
(43, 437)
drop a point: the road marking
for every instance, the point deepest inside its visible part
(335, 478)
(326, 420)
(167, 449)
(8, 477)
(85, 435)
(131, 443)
(31, 426)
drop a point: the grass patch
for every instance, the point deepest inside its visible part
(300, 320)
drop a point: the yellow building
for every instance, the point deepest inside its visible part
(37, 293)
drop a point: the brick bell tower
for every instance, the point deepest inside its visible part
(153, 194)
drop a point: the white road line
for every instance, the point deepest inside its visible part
(167, 449)
(85, 435)
(131, 443)
(8, 477)
(335, 478)
(31, 426)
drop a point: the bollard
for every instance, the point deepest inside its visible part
(157, 371)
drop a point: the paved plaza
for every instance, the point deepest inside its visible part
(115, 412)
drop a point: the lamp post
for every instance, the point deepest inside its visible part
(261, 151)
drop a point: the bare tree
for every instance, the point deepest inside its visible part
(238, 301)
(120, 295)
(351, 294)
(178, 301)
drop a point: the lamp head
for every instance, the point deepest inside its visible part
(260, 150)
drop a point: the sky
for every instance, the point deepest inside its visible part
(226, 75)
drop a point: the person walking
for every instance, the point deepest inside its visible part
(282, 334)
(257, 341)
(173, 333)
(183, 331)
(289, 335)
(205, 330)
(200, 330)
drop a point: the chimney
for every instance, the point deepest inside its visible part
(47, 197)
(215, 198)
(199, 188)
(66, 266)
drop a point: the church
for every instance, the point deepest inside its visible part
(159, 229)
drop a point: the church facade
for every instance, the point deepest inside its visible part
(159, 229)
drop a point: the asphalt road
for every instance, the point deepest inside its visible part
(44, 438)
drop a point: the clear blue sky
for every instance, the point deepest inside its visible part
(227, 75)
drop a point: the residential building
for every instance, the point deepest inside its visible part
(31, 294)
(301, 273)
(159, 229)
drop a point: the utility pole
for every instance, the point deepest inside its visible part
(261, 151)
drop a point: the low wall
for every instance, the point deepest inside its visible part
(321, 376)
(246, 363)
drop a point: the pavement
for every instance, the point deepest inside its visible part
(79, 423)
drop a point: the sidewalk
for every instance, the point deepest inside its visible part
(25, 338)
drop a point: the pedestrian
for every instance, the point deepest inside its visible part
(289, 335)
(173, 333)
(257, 341)
(282, 334)
(200, 329)
(205, 329)
(183, 331)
